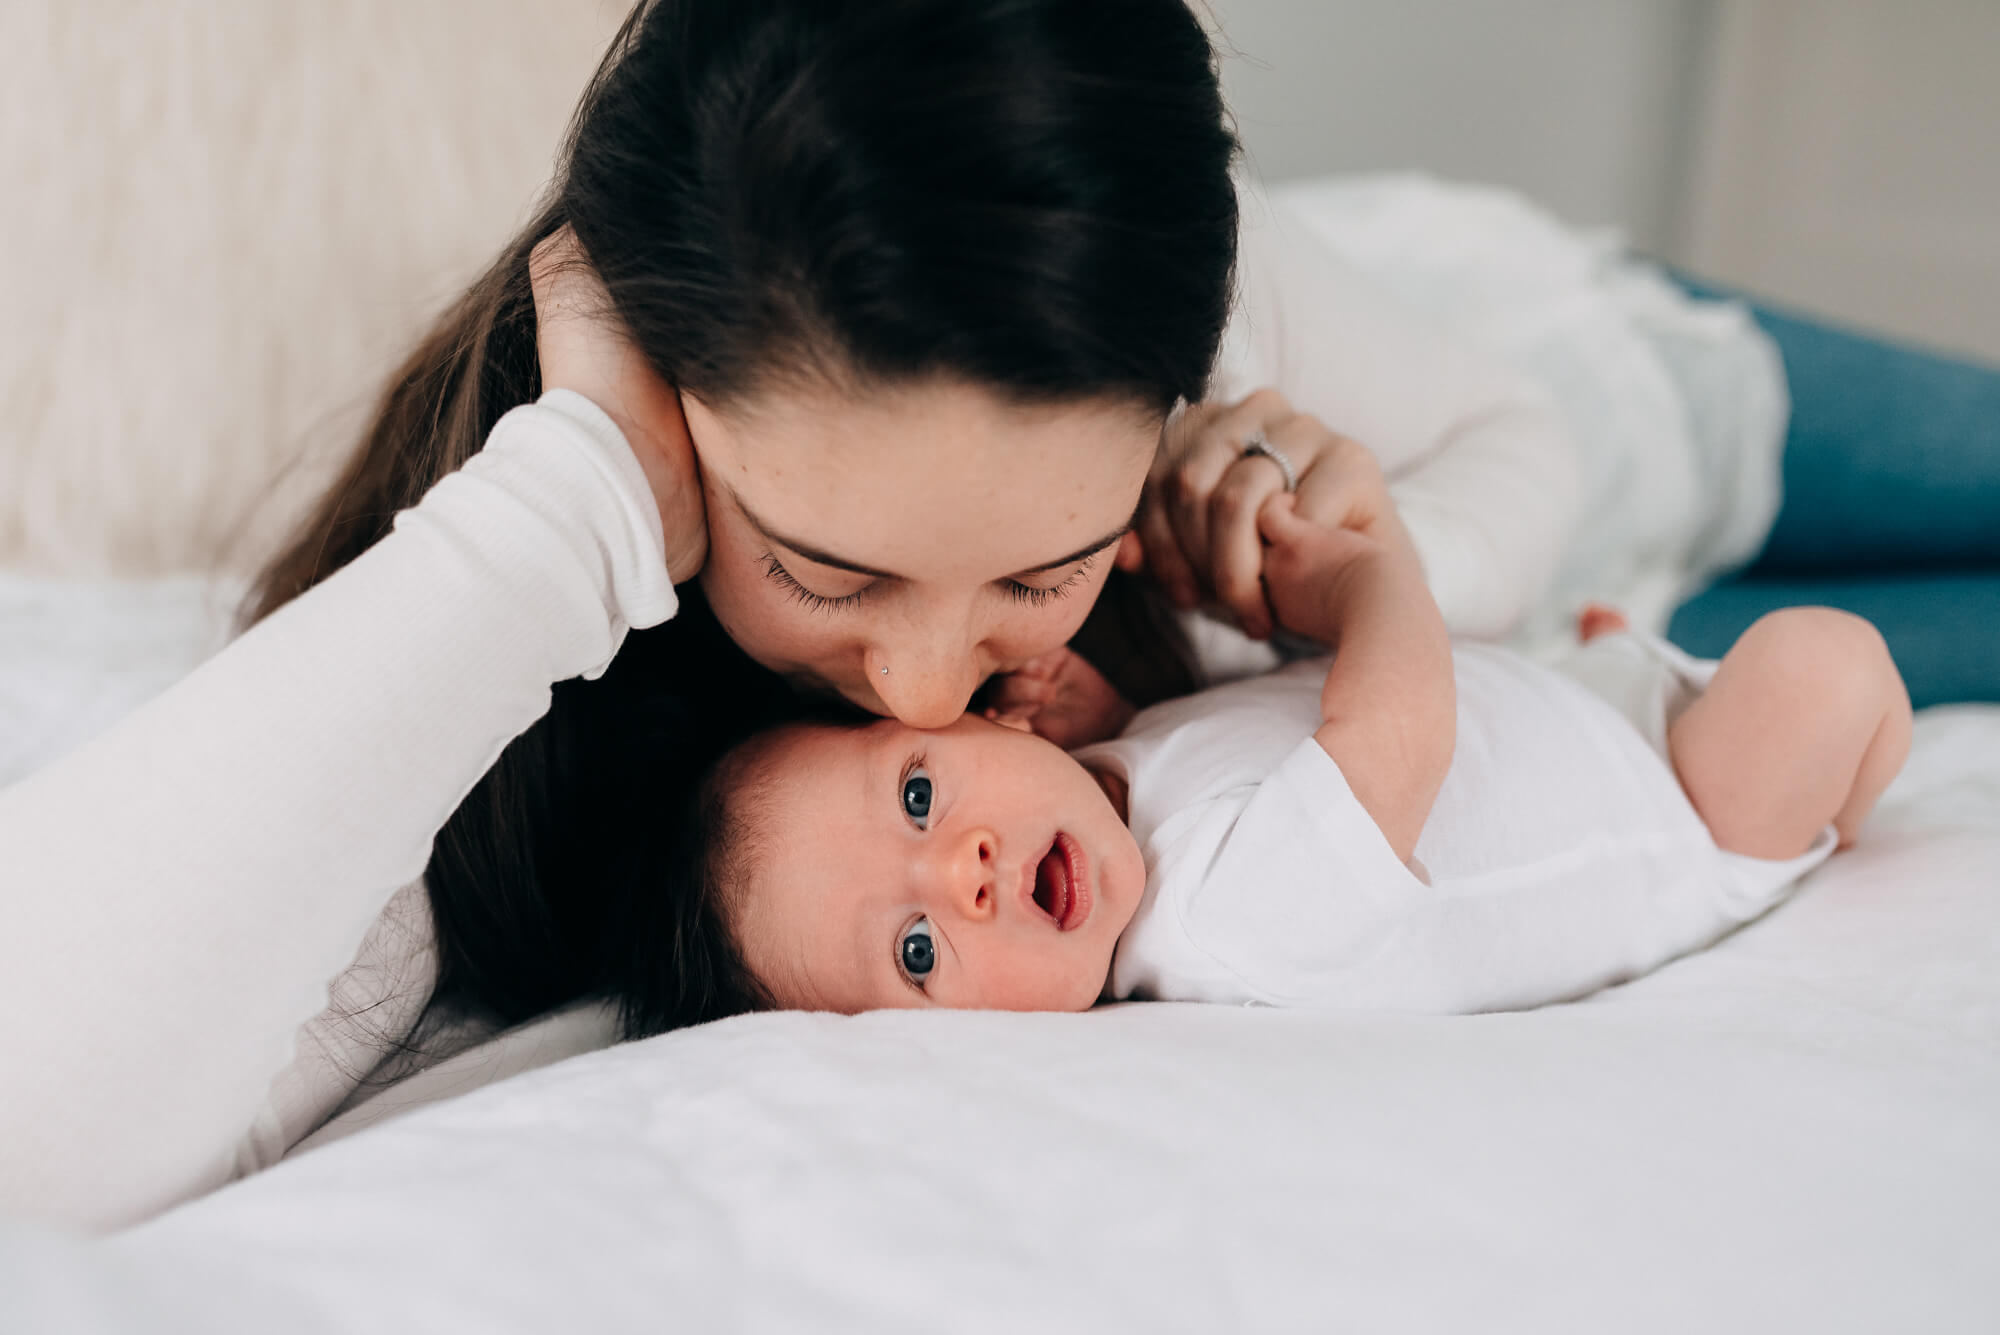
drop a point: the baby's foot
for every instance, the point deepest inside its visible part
(1597, 619)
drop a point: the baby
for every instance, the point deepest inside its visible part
(1406, 825)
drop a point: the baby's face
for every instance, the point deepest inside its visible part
(973, 867)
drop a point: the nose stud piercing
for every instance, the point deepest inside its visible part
(885, 669)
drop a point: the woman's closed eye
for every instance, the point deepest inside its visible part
(916, 953)
(775, 571)
(1034, 595)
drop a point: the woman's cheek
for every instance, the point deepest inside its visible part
(765, 621)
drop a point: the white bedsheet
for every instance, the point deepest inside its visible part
(77, 655)
(1793, 1131)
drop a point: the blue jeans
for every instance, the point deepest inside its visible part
(1891, 509)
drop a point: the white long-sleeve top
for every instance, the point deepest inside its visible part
(1478, 456)
(180, 891)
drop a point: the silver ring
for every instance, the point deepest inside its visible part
(1259, 443)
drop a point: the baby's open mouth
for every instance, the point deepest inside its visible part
(1062, 886)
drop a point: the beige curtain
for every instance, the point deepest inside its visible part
(223, 221)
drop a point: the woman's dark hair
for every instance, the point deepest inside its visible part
(1032, 195)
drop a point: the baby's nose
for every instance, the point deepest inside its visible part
(966, 874)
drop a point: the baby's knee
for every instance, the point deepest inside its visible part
(1834, 659)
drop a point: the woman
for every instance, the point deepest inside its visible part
(926, 280)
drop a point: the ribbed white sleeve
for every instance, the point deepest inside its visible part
(1478, 456)
(179, 892)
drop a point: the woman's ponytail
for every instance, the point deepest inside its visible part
(475, 363)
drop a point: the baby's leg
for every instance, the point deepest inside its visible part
(1804, 725)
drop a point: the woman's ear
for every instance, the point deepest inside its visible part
(1131, 554)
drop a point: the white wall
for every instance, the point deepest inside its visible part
(1842, 156)
(1849, 162)
(1577, 102)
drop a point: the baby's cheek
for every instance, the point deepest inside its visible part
(1036, 981)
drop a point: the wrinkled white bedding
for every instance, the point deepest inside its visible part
(76, 655)
(1794, 1130)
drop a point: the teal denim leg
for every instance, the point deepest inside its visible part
(1893, 455)
(1891, 510)
(1943, 627)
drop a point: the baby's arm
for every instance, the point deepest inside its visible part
(1390, 703)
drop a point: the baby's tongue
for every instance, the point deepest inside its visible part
(1052, 882)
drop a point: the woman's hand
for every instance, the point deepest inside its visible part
(1198, 522)
(584, 347)
(1061, 697)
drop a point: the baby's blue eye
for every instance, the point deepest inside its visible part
(916, 953)
(917, 797)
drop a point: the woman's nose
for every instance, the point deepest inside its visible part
(925, 686)
(963, 880)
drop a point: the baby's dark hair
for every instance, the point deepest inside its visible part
(683, 964)
(678, 962)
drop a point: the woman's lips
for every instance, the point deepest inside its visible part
(1062, 883)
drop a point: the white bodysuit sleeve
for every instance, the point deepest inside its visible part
(1478, 457)
(1268, 892)
(180, 891)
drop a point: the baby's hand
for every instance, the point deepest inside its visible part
(1061, 697)
(1304, 563)
(1197, 527)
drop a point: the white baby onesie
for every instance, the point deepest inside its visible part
(1561, 855)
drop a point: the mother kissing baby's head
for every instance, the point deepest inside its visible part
(891, 302)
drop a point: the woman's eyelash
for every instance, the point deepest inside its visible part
(1034, 597)
(813, 602)
(774, 569)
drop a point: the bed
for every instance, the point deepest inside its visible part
(1792, 1130)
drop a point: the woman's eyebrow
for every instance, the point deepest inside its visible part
(811, 553)
(1081, 552)
(825, 558)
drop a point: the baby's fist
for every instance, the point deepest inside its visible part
(1302, 563)
(1062, 697)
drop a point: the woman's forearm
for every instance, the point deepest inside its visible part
(1478, 455)
(181, 890)
(1491, 511)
